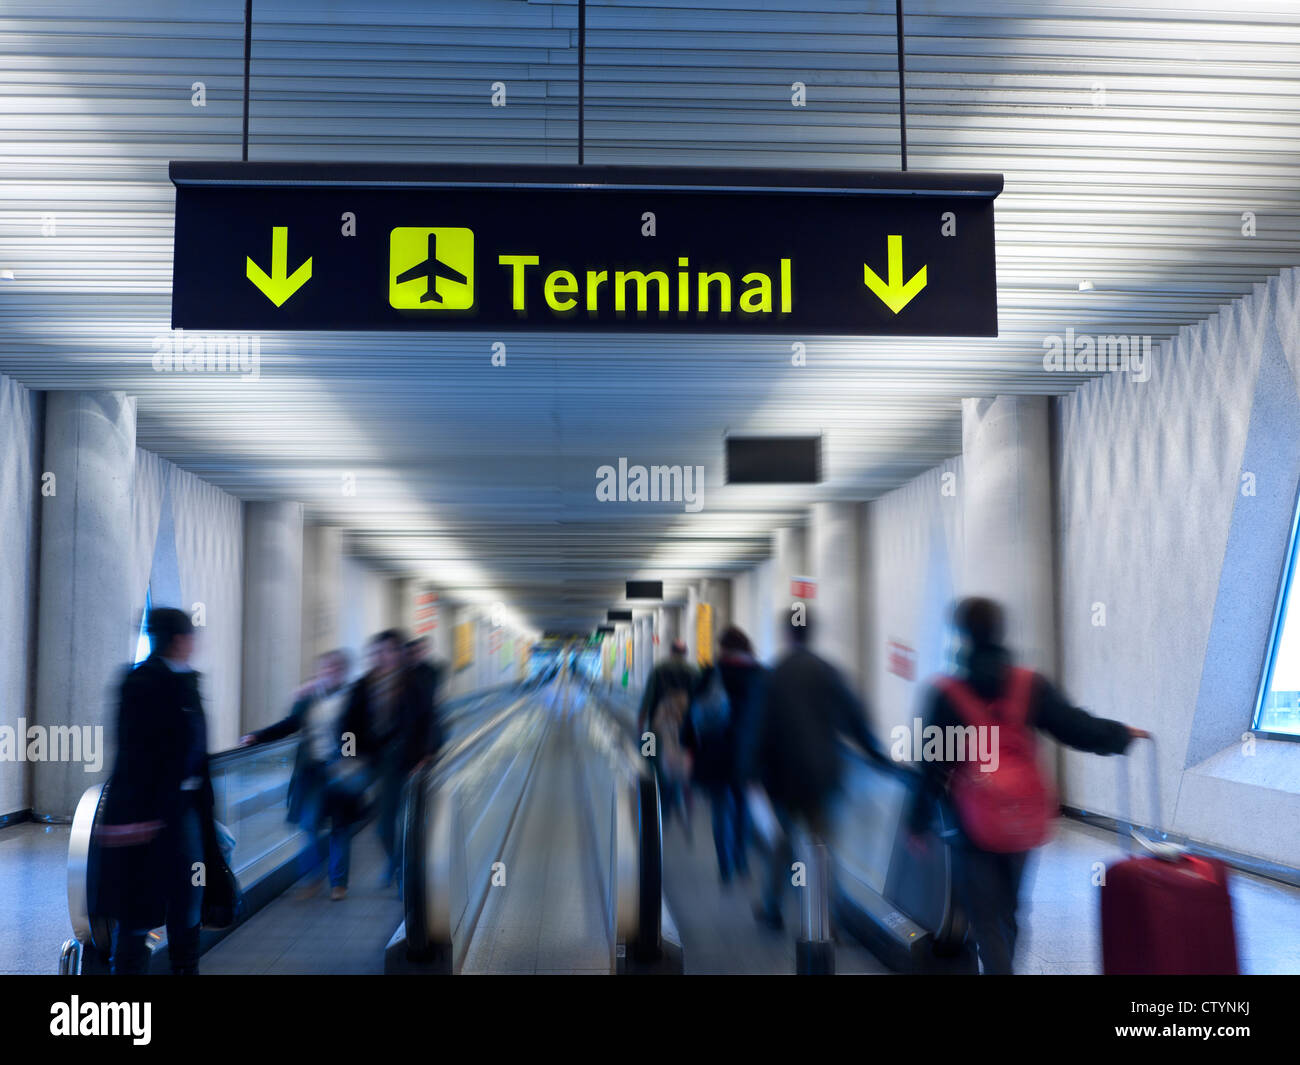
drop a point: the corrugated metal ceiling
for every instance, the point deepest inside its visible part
(1133, 138)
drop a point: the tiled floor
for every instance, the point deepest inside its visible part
(1058, 918)
(315, 936)
(33, 897)
(716, 924)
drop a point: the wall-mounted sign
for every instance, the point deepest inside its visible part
(426, 611)
(463, 645)
(900, 660)
(280, 246)
(704, 634)
(803, 588)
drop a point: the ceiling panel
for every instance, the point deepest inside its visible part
(1132, 136)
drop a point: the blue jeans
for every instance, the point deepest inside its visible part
(391, 779)
(182, 843)
(729, 829)
(336, 848)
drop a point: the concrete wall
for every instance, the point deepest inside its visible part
(365, 602)
(835, 563)
(208, 527)
(272, 610)
(20, 475)
(322, 587)
(1156, 531)
(913, 563)
(84, 632)
(187, 550)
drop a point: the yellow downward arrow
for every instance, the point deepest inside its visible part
(280, 285)
(896, 294)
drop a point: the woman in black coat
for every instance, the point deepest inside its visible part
(721, 745)
(157, 821)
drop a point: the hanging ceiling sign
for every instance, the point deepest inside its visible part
(278, 246)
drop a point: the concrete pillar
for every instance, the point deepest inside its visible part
(834, 553)
(396, 595)
(440, 645)
(85, 631)
(322, 586)
(689, 622)
(789, 560)
(644, 658)
(1007, 513)
(273, 557)
(638, 648)
(755, 610)
(670, 628)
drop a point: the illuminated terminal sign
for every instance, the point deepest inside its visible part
(279, 246)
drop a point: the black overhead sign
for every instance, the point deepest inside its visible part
(644, 590)
(272, 246)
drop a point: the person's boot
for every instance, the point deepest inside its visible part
(184, 954)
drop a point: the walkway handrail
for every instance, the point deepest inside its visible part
(438, 892)
(637, 860)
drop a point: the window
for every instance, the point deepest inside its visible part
(142, 641)
(1278, 705)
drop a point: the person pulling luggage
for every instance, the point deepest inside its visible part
(1002, 813)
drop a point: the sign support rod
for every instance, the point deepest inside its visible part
(902, 88)
(582, 75)
(248, 58)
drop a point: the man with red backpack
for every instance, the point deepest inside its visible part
(1003, 805)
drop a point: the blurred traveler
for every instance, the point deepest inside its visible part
(663, 712)
(1003, 813)
(325, 786)
(719, 733)
(384, 713)
(422, 733)
(807, 710)
(158, 818)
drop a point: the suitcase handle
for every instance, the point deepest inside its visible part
(1126, 801)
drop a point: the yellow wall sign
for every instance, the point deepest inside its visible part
(704, 634)
(463, 648)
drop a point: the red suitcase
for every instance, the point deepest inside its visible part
(1167, 913)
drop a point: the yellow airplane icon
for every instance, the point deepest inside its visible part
(431, 269)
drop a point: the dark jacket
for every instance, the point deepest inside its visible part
(160, 721)
(423, 736)
(669, 676)
(985, 670)
(415, 731)
(806, 711)
(304, 777)
(727, 758)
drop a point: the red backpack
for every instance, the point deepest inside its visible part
(1010, 809)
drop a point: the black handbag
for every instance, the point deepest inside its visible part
(347, 792)
(223, 899)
